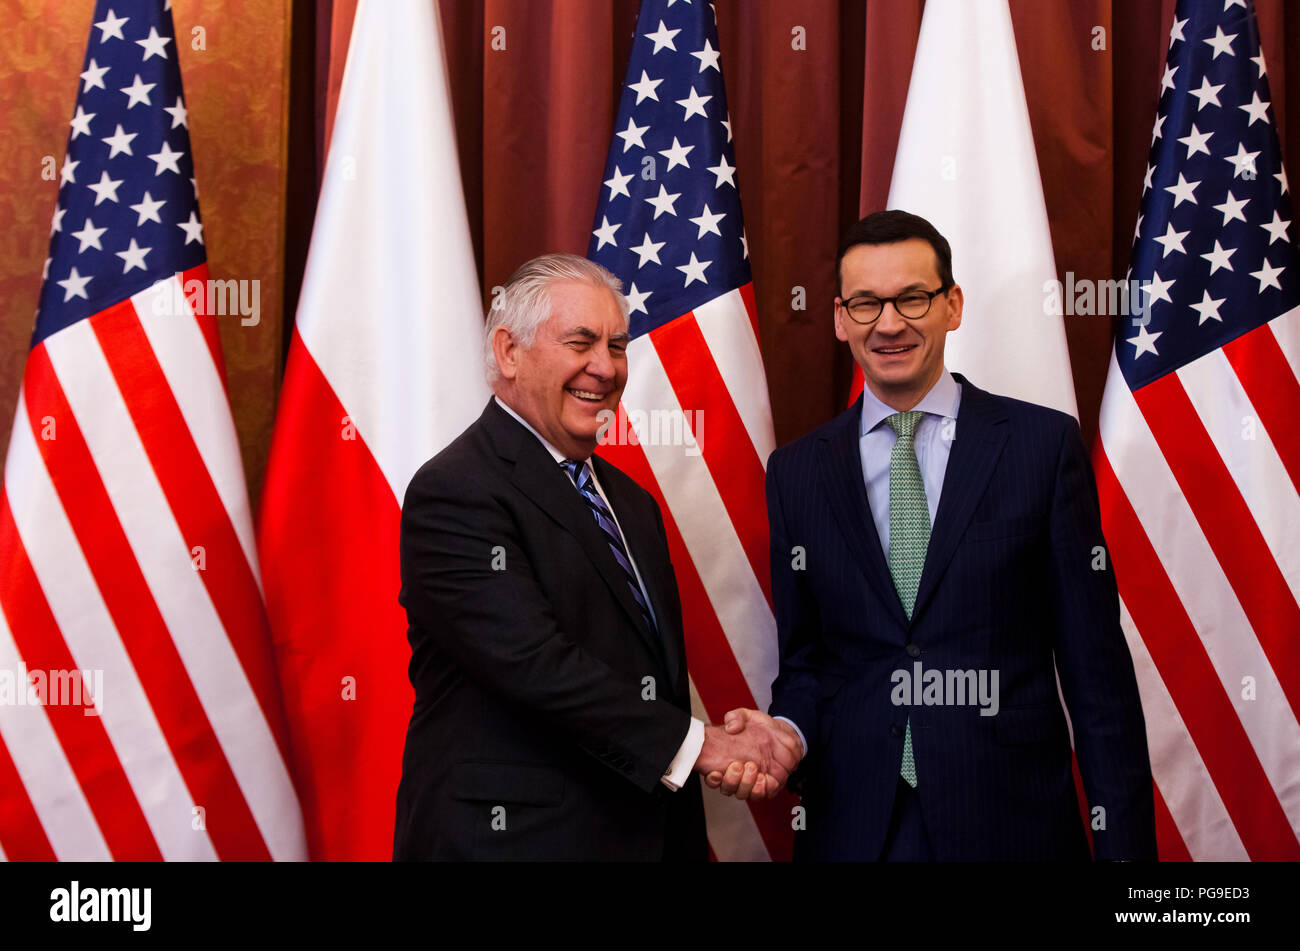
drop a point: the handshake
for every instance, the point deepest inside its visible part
(751, 755)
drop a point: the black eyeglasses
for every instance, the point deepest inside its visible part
(910, 304)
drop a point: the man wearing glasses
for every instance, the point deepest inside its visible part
(937, 558)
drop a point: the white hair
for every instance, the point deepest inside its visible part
(525, 302)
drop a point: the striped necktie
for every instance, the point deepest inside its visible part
(909, 534)
(580, 473)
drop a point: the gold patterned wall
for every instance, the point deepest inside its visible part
(233, 56)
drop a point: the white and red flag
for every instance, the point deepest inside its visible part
(694, 426)
(140, 716)
(1198, 462)
(384, 370)
(966, 163)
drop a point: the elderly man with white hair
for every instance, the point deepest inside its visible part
(552, 713)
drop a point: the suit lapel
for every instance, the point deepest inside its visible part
(981, 434)
(842, 479)
(539, 477)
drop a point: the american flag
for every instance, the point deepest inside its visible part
(128, 572)
(1198, 461)
(669, 224)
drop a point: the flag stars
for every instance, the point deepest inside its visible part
(1281, 178)
(648, 251)
(111, 27)
(166, 160)
(618, 184)
(1276, 228)
(1267, 276)
(81, 122)
(1207, 95)
(1218, 258)
(178, 112)
(1172, 241)
(105, 189)
(93, 76)
(1158, 128)
(1183, 191)
(694, 105)
(1146, 179)
(1145, 342)
(708, 57)
(1208, 308)
(676, 154)
(726, 124)
(56, 223)
(137, 92)
(1231, 208)
(1221, 43)
(724, 172)
(68, 173)
(663, 202)
(636, 300)
(645, 89)
(154, 45)
(133, 257)
(74, 286)
(632, 135)
(663, 38)
(694, 270)
(193, 228)
(1243, 162)
(119, 142)
(1176, 32)
(147, 210)
(89, 236)
(605, 233)
(1158, 289)
(707, 222)
(1167, 80)
(1257, 109)
(1195, 141)
(1259, 62)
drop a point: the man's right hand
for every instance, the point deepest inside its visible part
(753, 755)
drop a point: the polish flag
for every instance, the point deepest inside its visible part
(383, 372)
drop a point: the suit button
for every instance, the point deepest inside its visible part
(913, 650)
(895, 730)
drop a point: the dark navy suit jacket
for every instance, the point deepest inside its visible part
(1016, 580)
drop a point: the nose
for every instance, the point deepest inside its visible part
(601, 363)
(890, 321)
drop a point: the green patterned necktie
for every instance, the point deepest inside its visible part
(909, 534)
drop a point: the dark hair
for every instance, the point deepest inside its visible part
(889, 227)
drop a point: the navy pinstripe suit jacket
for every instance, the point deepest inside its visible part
(1015, 581)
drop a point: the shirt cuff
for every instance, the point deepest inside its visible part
(679, 770)
(797, 730)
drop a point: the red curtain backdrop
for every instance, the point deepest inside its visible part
(815, 130)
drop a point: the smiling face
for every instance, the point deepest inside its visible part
(575, 368)
(901, 359)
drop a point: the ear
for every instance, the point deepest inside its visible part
(506, 350)
(840, 332)
(955, 304)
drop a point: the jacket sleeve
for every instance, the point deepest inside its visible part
(467, 584)
(1095, 667)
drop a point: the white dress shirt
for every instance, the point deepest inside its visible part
(679, 770)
